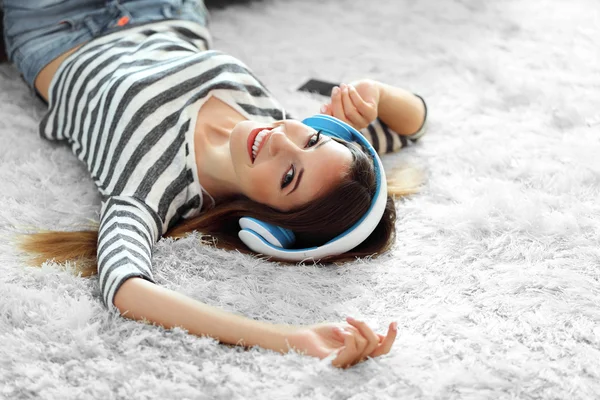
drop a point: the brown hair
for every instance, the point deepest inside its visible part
(313, 224)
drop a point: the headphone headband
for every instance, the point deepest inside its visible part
(347, 240)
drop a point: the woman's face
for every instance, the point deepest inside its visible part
(290, 166)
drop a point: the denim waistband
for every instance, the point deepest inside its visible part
(38, 31)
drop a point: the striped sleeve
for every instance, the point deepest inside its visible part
(127, 234)
(386, 140)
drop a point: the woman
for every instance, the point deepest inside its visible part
(178, 138)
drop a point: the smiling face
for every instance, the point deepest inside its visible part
(291, 166)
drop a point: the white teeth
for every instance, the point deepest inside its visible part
(258, 140)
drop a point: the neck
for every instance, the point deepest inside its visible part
(213, 157)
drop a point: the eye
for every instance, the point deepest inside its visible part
(288, 177)
(314, 139)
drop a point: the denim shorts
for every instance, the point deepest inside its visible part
(38, 31)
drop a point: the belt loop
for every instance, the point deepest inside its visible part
(124, 13)
(92, 25)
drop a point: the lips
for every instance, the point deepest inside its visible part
(251, 139)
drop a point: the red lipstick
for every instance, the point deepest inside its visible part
(251, 139)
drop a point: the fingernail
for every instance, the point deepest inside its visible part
(343, 86)
(395, 326)
(350, 319)
(336, 90)
(323, 108)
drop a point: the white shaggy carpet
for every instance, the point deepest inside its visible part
(494, 276)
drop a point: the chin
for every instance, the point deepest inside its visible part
(238, 142)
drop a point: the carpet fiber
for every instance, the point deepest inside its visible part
(494, 275)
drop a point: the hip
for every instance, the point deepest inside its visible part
(42, 33)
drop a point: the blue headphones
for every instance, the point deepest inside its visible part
(275, 241)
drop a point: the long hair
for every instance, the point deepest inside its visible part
(314, 223)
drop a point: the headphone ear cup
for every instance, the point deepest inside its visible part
(275, 235)
(331, 126)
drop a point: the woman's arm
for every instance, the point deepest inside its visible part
(400, 109)
(140, 299)
(127, 232)
(361, 102)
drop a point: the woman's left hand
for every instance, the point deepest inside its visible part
(353, 342)
(355, 103)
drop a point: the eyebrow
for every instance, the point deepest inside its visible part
(302, 170)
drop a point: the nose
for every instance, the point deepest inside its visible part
(279, 142)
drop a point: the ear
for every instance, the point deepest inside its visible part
(273, 234)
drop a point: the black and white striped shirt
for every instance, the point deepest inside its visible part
(127, 104)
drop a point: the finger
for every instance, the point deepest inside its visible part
(350, 110)
(361, 342)
(339, 334)
(326, 109)
(337, 109)
(348, 352)
(388, 341)
(367, 333)
(367, 110)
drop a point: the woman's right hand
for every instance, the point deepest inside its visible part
(355, 103)
(353, 342)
